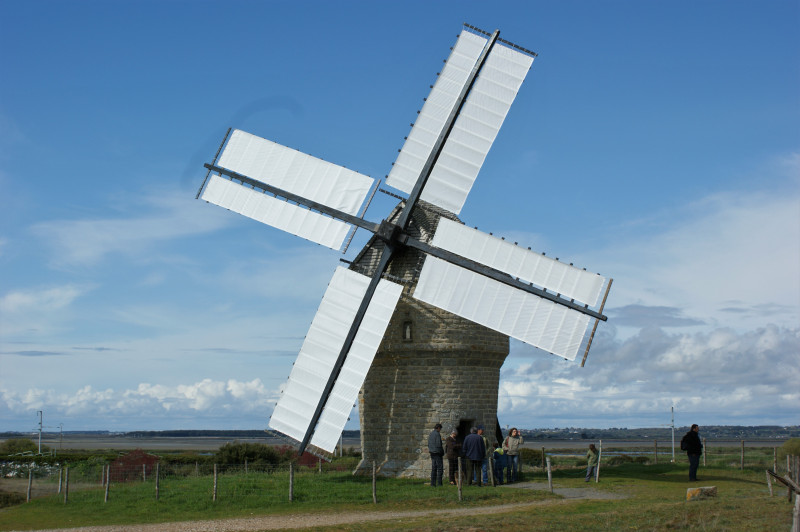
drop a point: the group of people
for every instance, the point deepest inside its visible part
(475, 450)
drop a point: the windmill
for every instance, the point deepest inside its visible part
(515, 291)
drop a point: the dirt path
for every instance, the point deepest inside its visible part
(300, 521)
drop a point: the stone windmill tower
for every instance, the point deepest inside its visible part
(442, 344)
(431, 367)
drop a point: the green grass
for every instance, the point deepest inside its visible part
(238, 495)
(654, 499)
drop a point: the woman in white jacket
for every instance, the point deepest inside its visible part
(511, 447)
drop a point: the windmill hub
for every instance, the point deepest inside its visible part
(391, 233)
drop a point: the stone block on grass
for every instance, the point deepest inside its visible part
(693, 494)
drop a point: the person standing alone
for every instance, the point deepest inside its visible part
(694, 448)
(437, 454)
(591, 462)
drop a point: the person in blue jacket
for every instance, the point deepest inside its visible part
(474, 450)
(499, 464)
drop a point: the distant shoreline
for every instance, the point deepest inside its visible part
(206, 441)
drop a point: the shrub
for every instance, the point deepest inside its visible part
(625, 459)
(791, 447)
(530, 456)
(8, 498)
(254, 453)
(19, 445)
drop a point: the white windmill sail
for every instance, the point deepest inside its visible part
(475, 128)
(277, 213)
(556, 276)
(325, 338)
(292, 171)
(516, 313)
(295, 171)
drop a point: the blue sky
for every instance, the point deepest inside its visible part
(654, 142)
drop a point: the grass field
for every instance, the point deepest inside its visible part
(652, 498)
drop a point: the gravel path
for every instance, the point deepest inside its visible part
(300, 521)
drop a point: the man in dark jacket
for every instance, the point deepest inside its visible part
(694, 448)
(437, 453)
(474, 450)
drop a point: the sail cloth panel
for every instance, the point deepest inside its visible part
(435, 111)
(295, 172)
(555, 276)
(319, 352)
(475, 128)
(277, 213)
(519, 314)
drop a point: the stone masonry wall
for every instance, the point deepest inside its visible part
(431, 367)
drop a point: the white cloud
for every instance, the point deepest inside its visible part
(148, 404)
(721, 375)
(36, 309)
(44, 300)
(161, 217)
(730, 259)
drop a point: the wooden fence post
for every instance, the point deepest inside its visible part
(374, 483)
(319, 465)
(30, 483)
(542, 457)
(796, 470)
(655, 451)
(549, 475)
(144, 472)
(599, 457)
(769, 482)
(214, 496)
(60, 472)
(741, 465)
(291, 481)
(460, 479)
(66, 485)
(157, 477)
(108, 482)
(705, 445)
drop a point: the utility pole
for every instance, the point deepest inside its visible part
(61, 436)
(40, 431)
(672, 409)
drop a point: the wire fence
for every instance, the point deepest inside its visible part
(256, 484)
(569, 462)
(260, 484)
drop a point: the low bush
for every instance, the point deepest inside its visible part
(10, 499)
(625, 459)
(19, 445)
(790, 447)
(531, 457)
(253, 453)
